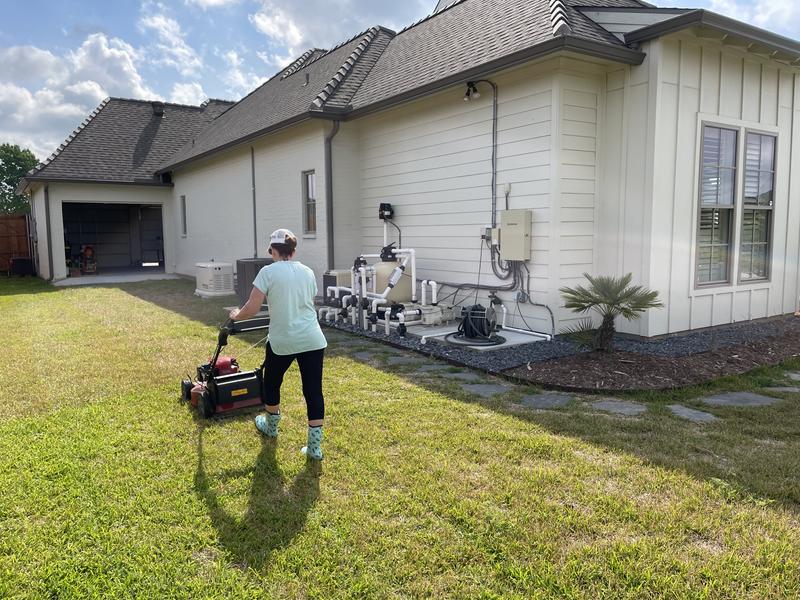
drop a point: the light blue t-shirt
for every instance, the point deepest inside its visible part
(290, 288)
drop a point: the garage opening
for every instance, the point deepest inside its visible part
(103, 239)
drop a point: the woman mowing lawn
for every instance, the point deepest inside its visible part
(294, 333)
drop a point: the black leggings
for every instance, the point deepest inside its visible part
(310, 364)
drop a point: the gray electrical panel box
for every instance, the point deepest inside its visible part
(515, 234)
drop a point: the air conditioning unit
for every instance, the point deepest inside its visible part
(214, 279)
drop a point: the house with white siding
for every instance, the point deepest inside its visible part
(659, 142)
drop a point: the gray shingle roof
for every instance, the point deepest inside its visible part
(471, 33)
(125, 141)
(277, 101)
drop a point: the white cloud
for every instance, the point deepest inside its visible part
(206, 4)
(39, 112)
(188, 93)
(172, 49)
(239, 80)
(276, 60)
(28, 63)
(111, 63)
(276, 24)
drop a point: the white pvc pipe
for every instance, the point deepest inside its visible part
(321, 310)
(434, 292)
(413, 254)
(505, 314)
(422, 287)
(546, 336)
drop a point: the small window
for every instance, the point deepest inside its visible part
(183, 216)
(759, 197)
(717, 202)
(309, 203)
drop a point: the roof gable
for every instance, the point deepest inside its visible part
(124, 141)
(303, 88)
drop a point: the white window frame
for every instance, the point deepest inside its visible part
(743, 127)
(305, 201)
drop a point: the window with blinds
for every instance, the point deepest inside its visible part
(719, 200)
(717, 205)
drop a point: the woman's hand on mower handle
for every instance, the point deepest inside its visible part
(234, 313)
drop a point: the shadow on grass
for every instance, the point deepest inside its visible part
(748, 452)
(275, 512)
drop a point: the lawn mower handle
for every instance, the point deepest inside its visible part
(222, 340)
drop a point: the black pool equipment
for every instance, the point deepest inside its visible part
(220, 386)
(478, 327)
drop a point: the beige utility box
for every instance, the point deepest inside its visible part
(515, 234)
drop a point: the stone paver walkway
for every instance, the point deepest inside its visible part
(620, 407)
(690, 414)
(398, 360)
(784, 390)
(795, 376)
(486, 390)
(463, 376)
(546, 400)
(739, 399)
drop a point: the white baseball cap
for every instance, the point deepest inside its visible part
(280, 236)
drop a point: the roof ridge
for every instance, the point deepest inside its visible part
(343, 71)
(300, 62)
(435, 13)
(559, 19)
(173, 104)
(70, 137)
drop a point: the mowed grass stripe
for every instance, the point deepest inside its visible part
(424, 493)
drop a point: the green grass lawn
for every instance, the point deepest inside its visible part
(109, 487)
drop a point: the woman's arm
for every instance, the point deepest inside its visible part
(251, 308)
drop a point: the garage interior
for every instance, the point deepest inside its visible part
(102, 239)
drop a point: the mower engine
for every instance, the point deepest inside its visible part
(220, 386)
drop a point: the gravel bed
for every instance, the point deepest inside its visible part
(722, 336)
(496, 361)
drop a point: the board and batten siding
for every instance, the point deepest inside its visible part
(703, 81)
(625, 177)
(431, 159)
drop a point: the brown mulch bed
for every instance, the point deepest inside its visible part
(625, 371)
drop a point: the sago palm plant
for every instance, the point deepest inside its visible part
(610, 297)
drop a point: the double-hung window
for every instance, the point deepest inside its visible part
(309, 203)
(759, 191)
(717, 205)
(720, 197)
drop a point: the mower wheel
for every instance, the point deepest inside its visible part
(206, 405)
(186, 390)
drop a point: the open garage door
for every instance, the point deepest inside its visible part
(122, 236)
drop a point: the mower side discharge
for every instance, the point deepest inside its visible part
(220, 387)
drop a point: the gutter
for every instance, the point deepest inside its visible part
(720, 23)
(47, 232)
(329, 191)
(47, 180)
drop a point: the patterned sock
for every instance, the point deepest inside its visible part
(313, 448)
(268, 425)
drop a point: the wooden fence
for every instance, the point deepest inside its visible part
(14, 241)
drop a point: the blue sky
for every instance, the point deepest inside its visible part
(59, 59)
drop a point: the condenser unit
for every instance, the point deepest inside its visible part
(214, 279)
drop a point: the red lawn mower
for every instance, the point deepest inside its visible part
(221, 387)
